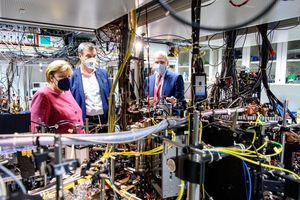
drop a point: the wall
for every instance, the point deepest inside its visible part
(282, 92)
(24, 75)
(153, 47)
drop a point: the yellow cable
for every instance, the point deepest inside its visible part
(111, 113)
(111, 109)
(113, 187)
(257, 119)
(262, 146)
(189, 129)
(122, 193)
(203, 192)
(248, 153)
(173, 135)
(253, 140)
(181, 191)
(200, 132)
(254, 153)
(260, 164)
(153, 121)
(155, 151)
(68, 186)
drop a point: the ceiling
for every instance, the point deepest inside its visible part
(222, 14)
(72, 14)
(88, 15)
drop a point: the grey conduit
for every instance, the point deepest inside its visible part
(87, 139)
(222, 111)
(20, 140)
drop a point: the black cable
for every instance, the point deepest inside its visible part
(174, 35)
(214, 48)
(208, 4)
(265, 44)
(288, 28)
(171, 11)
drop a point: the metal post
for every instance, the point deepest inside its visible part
(43, 164)
(43, 169)
(196, 124)
(137, 160)
(102, 188)
(194, 189)
(58, 160)
(87, 125)
(282, 132)
(142, 160)
(112, 168)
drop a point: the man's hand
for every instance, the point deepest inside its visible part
(172, 100)
(292, 137)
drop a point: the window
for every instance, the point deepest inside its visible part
(293, 62)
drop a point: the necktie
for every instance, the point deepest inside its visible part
(157, 88)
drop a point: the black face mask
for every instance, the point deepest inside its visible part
(63, 84)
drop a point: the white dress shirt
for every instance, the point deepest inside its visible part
(92, 95)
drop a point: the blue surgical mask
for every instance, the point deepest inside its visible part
(160, 68)
(63, 84)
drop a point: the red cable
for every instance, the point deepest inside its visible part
(238, 5)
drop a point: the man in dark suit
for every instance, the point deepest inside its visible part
(164, 83)
(90, 85)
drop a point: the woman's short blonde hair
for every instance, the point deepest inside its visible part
(58, 66)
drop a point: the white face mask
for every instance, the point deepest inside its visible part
(160, 68)
(91, 63)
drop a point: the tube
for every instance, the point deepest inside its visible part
(222, 111)
(87, 139)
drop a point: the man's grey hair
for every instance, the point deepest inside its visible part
(161, 53)
(86, 45)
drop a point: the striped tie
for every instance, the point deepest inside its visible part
(157, 88)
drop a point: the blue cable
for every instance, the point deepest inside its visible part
(108, 173)
(245, 178)
(249, 179)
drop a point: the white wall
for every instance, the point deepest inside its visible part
(153, 47)
(282, 92)
(24, 75)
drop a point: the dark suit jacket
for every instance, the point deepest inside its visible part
(172, 86)
(78, 92)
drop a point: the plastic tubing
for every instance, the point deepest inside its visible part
(87, 139)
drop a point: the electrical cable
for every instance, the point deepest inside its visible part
(254, 162)
(208, 3)
(111, 181)
(172, 35)
(249, 179)
(288, 28)
(9, 173)
(181, 191)
(245, 180)
(203, 191)
(111, 114)
(67, 186)
(3, 192)
(172, 12)
(200, 132)
(215, 48)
